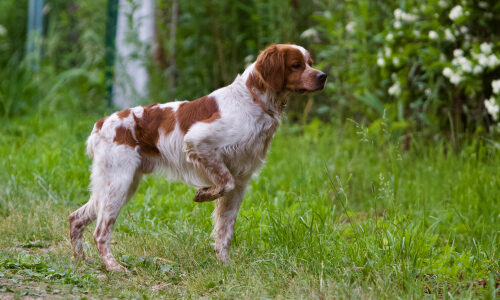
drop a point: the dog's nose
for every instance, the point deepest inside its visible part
(321, 76)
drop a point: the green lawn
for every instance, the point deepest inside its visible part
(390, 223)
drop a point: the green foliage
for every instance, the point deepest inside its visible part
(71, 74)
(347, 33)
(440, 59)
(428, 67)
(216, 39)
(388, 223)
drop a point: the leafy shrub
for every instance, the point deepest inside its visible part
(346, 38)
(71, 74)
(440, 61)
(431, 67)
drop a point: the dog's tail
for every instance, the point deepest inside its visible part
(92, 141)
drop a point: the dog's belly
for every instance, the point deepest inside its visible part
(174, 164)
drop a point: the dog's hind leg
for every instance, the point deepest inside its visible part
(113, 184)
(78, 220)
(121, 181)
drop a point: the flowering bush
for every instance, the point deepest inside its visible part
(442, 61)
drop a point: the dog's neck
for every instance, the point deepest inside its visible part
(273, 102)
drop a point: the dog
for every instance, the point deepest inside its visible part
(214, 143)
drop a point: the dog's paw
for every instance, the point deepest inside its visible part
(117, 268)
(222, 255)
(208, 194)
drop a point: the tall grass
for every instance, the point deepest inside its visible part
(387, 223)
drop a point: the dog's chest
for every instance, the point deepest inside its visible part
(248, 155)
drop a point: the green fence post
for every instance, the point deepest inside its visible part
(35, 33)
(110, 48)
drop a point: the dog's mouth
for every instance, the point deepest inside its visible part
(304, 91)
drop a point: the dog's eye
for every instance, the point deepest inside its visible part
(296, 66)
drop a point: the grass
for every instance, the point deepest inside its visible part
(337, 212)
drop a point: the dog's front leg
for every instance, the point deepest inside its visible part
(207, 159)
(224, 216)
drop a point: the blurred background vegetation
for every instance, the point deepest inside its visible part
(387, 60)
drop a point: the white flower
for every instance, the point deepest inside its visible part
(458, 52)
(477, 70)
(455, 78)
(443, 3)
(456, 12)
(483, 4)
(433, 35)
(380, 62)
(427, 92)
(495, 84)
(395, 89)
(465, 64)
(350, 27)
(397, 24)
(486, 48)
(397, 13)
(416, 33)
(395, 61)
(482, 59)
(447, 72)
(387, 51)
(3, 31)
(389, 36)
(464, 29)
(404, 16)
(449, 35)
(309, 33)
(409, 18)
(492, 108)
(493, 61)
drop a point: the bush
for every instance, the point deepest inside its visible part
(440, 60)
(431, 66)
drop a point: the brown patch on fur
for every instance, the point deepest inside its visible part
(147, 127)
(293, 75)
(124, 113)
(270, 65)
(254, 82)
(203, 109)
(124, 137)
(99, 123)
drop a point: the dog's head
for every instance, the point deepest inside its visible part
(285, 67)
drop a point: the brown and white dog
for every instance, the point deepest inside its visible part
(214, 143)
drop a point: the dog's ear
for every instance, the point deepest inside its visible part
(271, 67)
